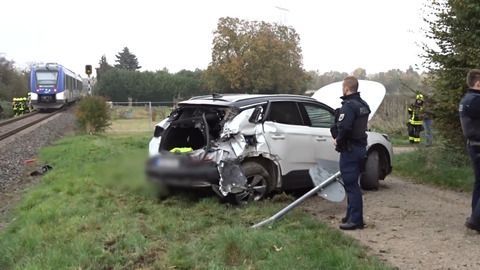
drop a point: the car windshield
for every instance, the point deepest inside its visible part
(47, 77)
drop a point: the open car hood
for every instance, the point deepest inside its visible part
(370, 91)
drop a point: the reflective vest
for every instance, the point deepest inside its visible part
(415, 113)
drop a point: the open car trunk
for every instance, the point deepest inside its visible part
(194, 127)
(370, 91)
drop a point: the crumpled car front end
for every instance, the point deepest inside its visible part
(203, 146)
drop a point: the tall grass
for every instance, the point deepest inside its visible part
(392, 116)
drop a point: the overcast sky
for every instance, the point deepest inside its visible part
(335, 34)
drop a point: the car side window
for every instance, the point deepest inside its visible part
(285, 113)
(319, 116)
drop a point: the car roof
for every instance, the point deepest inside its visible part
(243, 100)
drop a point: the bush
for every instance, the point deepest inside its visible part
(7, 109)
(93, 115)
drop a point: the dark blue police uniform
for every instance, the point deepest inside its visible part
(350, 133)
(469, 110)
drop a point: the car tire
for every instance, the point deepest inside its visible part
(259, 184)
(370, 178)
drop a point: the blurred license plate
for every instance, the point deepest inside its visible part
(168, 163)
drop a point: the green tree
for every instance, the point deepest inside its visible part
(255, 57)
(127, 60)
(120, 84)
(103, 67)
(454, 30)
(12, 82)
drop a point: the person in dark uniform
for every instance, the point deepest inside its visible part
(469, 110)
(350, 139)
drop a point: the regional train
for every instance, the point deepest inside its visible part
(53, 85)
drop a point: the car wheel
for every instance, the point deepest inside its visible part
(258, 184)
(370, 178)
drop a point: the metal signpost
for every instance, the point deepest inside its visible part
(88, 71)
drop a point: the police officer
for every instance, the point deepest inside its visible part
(469, 110)
(350, 139)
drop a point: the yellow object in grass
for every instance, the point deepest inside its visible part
(181, 150)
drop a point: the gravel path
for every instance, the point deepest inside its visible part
(15, 150)
(411, 226)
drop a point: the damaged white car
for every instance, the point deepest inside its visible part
(247, 146)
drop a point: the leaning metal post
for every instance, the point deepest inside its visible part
(294, 204)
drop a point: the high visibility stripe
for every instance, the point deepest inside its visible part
(415, 122)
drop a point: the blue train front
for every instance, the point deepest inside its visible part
(52, 86)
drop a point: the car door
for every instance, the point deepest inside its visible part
(320, 118)
(289, 140)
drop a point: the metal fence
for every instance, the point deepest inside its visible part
(128, 117)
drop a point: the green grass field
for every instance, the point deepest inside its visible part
(94, 210)
(436, 167)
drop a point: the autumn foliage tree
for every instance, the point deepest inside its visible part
(255, 57)
(453, 27)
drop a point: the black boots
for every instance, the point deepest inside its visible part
(351, 226)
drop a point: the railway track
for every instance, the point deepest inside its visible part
(13, 126)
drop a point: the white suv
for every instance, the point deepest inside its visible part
(246, 146)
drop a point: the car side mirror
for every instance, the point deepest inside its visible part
(257, 115)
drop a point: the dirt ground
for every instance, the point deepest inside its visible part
(411, 226)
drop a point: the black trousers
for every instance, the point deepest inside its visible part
(414, 133)
(350, 167)
(474, 151)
